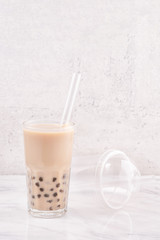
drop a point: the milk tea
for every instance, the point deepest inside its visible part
(48, 153)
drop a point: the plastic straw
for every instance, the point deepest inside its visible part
(71, 98)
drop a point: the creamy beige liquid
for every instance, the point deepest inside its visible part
(48, 160)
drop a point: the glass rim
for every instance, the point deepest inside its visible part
(40, 125)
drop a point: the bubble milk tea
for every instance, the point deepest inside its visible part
(48, 154)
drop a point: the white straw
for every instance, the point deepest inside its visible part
(71, 98)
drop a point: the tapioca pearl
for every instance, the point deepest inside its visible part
(41, 189)
(46, 195)
(50, 208)
(40, 179)
(37, 184)
(64, 176)
(49, 201)
(54, 179)
(39, 195)
(52, 189)
(33, 177)
(58, 185)
(58, 199)
(55, 194)
(33, 196)
(58, 205)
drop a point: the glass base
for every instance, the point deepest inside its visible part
(47, 214)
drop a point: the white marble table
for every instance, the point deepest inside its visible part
(139, 220)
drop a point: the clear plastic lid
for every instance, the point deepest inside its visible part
(115, 178)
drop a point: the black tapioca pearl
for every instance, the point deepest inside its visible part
(50, 201)
(61, 190)
(58, 185)
(41, 189)
(50, 208)
(51, 189)
(37, 184)
(64, 176)
(58, 205)
(33, 196)
(46, 195)
(55, 194)
(54, 179)
(58, 199)
(33, 177)
(39, 195)
(41, 179)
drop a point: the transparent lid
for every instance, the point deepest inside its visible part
(115, 178)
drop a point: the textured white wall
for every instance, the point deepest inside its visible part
(116, 46)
